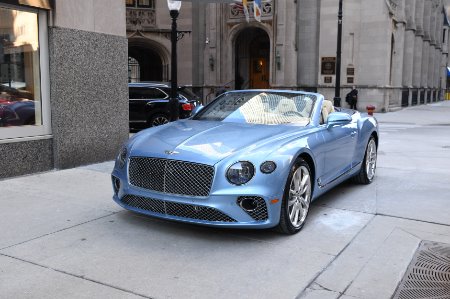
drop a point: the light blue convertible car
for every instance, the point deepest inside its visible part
(249, 159)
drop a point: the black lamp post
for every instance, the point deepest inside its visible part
(174, 8)
(337, 91)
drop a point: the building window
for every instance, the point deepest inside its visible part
(140, 3)
(24, 99)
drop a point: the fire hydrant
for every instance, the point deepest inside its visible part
(370, 109)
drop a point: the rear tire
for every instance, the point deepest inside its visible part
(296, 199)
(367, 172)
(158, 120)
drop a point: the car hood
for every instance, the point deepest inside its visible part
(206, 142)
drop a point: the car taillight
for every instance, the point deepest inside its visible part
(186, 107)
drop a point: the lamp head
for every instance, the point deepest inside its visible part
(174, 5)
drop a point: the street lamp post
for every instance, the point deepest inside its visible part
(174, 8)
(337, 91)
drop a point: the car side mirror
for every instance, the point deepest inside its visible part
(197, 109)
(338, 118)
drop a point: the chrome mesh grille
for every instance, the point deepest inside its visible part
(171, 176)
(260, 213)
(176, 209)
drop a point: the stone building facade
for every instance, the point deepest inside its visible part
(394, 51)
(63, 83)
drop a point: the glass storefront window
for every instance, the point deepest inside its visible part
(24, 73)
(20, 93)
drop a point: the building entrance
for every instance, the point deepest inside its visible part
(252, 59)
(144, 64)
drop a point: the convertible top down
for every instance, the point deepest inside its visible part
(249, 159)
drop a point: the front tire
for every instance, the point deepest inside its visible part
(367, 173)
(296, 198)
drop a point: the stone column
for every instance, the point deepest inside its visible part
(432, 50)
(426, 46)
(408, 56)
(418, 44)
(198, 43)
(308, 12)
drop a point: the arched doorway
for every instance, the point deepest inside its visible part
(149, 63)
(252, 50)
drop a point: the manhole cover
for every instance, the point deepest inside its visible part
(428, 274)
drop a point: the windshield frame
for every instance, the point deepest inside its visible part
(250, 94)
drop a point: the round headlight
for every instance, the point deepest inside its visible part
(240, 173)
(122, 157)
(268, 167)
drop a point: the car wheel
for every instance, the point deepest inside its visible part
(296, 198)
(369, 165)
(158, 120)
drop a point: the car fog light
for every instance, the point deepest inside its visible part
(268, 167)
(240, 173)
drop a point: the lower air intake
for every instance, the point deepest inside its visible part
(259, 207)
(176, 209)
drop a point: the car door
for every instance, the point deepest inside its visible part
(137, 105)
(144, 101)
(339, 146)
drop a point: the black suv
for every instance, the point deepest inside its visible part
(149, 104)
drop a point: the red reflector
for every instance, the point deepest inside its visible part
(186, 107)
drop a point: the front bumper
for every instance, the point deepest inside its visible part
(223, 210)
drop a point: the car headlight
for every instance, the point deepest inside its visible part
(240, 173)
(122, 157)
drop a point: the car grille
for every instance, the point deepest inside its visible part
(260, 213)
(176, 209)
(171, 176)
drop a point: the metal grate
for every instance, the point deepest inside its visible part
(260, 213)
(171, 176)
(176, 209)
(428, 274)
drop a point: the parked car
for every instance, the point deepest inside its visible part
(249, 159)
(149, 104)
(17, 113)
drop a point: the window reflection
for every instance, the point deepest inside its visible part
(20, 93)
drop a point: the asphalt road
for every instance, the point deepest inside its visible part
(62, 236)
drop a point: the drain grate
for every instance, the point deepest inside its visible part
(428, 274)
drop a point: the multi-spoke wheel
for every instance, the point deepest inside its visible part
(158, 120)
(297, 198)
(369, 165)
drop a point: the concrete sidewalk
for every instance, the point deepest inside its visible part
(63, 236)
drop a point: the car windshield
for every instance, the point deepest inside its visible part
(267, 108)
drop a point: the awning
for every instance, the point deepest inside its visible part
(44, 4)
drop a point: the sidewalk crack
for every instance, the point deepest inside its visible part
(60, 230)
(76, 276)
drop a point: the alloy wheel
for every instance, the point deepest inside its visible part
(371, 159)
(159, 120)
(299, 196)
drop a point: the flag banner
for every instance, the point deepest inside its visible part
(245, 7)
(251, 9)
(257, 8)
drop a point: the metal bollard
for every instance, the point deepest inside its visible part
(370, 109)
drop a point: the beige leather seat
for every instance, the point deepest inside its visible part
(327, 108)
(286, 106)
